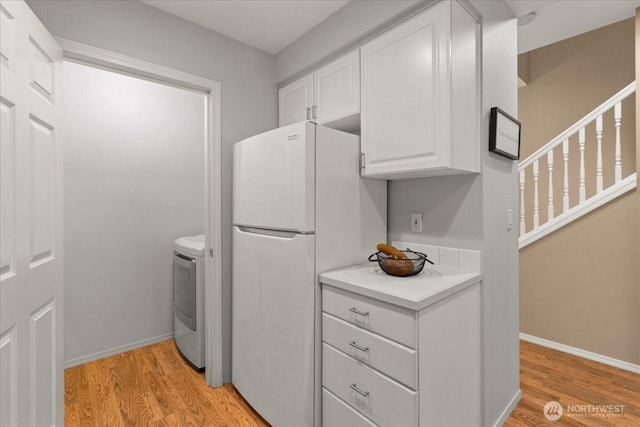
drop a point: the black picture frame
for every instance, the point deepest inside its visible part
(504, 134)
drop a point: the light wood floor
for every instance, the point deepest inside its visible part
(150, 386)
(547, 375)
(153, 386)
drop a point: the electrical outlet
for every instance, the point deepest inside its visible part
(416, 222)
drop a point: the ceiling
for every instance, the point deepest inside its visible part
(271, 25)
(557, 20)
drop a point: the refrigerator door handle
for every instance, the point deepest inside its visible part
(283, 234)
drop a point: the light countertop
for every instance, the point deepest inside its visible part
(434, 283)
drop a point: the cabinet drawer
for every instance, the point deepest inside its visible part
(336, 413)
(395, 323)
(379, 398)
(389, 357)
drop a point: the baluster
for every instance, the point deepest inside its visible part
(536, 209)
(523, 227)
(583, 188)
(550, 202)
(617, 114)
(565, 189)
(599, 154)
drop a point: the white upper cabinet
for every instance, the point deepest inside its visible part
(295, 101)
(420, 97)
(336, 92)
(329, 96)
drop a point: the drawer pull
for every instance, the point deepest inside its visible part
(358, 347)
(355, 388)
(361, 313)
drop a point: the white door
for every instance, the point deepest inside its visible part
(31, 356)
(295, 101)
(273, 179)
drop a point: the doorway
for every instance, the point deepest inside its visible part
(149, 173)
(133, 183)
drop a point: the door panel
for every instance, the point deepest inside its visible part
(7, 39)
(43, 369)
(42, 191)
(7, 187)
(41, 70)
(31, 353)
(273, 179)
(9, 383)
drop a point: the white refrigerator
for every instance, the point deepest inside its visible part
(300, 208)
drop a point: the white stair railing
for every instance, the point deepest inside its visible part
(531, 167)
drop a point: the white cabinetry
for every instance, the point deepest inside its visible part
(420, 96)
(329, 96)
(295, 101)
(387, 365)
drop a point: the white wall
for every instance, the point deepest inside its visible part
(459, 211)
(133, 183)
(247, 76)
(451, 208)
(501, 373)
(352, 23)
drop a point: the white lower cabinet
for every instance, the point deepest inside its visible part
(378, 397)
(373, 373)
(390, 358)
(395, 323)
(337, 413)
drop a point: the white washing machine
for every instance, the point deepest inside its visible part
(188, 298)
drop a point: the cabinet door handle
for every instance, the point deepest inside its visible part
(358, 347)
(355, 388)
(361, 313)
(308, 113)
(313, 112)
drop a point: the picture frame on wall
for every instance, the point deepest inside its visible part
(504, 134)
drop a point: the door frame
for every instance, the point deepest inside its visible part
(111, 61)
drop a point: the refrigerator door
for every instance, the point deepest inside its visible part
(273, 179)
(273, 324)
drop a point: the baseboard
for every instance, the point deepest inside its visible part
(616, 363)
(509, 409)
(102, 354)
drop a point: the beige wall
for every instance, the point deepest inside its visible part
(637, 56)
(580, 286)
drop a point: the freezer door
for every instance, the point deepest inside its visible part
(273, 179)
(273, 325)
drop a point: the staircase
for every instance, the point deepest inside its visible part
(589, 180)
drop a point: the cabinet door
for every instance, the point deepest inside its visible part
(336, 90)
(450, 360)
(406, 96)
(295, 101)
